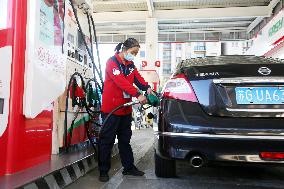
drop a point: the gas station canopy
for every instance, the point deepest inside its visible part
(180, 20)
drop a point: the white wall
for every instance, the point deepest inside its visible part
(213, 48)
(234, 47)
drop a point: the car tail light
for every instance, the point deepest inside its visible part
(272, 155)
(180, 88)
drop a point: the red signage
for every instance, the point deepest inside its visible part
(144, 63)
(158, 63)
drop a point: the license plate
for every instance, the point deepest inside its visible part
(259, 95)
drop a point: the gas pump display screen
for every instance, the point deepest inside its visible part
(80, 42)
(1, 105)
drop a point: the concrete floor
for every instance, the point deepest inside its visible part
(206, 178)
(220, 177)
(141, 141)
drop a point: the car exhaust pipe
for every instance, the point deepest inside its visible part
(196, 161)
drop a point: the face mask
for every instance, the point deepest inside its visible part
(129, 57)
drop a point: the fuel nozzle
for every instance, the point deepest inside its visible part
(152, 99)
(92, 96)
(77, 94)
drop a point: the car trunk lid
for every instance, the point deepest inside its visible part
(253, 87)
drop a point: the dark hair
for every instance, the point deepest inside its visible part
(129, 43)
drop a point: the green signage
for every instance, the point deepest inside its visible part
(276, 27)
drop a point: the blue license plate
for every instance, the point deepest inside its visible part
(259, 95)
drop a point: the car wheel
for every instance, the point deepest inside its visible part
(164, 168)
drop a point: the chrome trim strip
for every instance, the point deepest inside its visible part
(220, 136)
(256, 110)
(238, 80)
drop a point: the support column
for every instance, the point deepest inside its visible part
(151, 43)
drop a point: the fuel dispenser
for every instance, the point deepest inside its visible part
(37, 62)
(50, 84)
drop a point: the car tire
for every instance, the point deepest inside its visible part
(164, 168)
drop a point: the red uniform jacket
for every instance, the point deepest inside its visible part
(118, 85)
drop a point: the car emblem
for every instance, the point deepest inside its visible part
(264, 71)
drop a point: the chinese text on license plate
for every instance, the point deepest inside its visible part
(259, 95)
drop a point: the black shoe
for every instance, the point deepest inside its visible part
(104, 177)
(134, 172)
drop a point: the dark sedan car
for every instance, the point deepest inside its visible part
(227, 109)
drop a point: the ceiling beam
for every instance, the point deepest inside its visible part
(151, 8)
(192, 24)
(272, 4)
(109, 26)
(142, 32)
(254, 23)
(206, 29)
(186, 32)
(184, 14)
(122, 32)
(173, 26)
(230, 12)
(116, 34)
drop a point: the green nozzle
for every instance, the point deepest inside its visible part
(153, 100)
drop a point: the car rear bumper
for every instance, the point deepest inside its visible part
(225, 148)
(185, 129)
